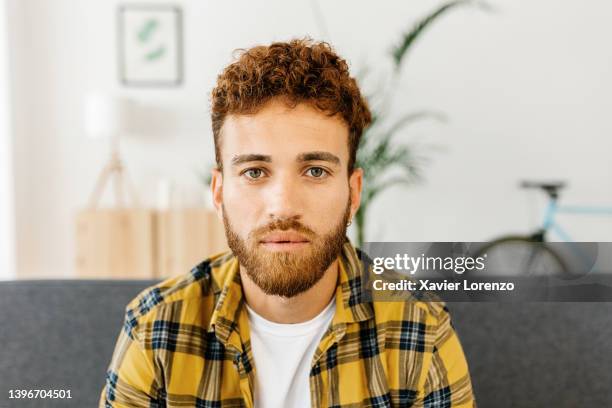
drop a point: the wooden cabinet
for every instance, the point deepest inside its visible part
(186, 237)
(142, 243)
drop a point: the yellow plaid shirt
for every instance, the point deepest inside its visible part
(185, 343)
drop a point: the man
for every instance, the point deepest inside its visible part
(279, 321)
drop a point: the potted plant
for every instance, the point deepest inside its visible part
(386, 161)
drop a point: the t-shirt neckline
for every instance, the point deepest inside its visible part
(259, 323)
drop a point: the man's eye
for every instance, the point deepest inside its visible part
(254, 173)
(317, 172)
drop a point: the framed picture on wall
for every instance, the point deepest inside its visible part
(150, 45)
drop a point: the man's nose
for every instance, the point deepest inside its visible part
(285, 201)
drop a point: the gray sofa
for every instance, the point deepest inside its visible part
(60, 335)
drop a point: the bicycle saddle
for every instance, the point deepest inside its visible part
(551, 187)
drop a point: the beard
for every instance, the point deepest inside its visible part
(287, 273)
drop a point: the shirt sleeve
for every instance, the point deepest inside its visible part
(130, 378)
(447, 382)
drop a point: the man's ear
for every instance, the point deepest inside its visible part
(356, 185)
(216, 187)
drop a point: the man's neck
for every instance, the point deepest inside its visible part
(297, 309)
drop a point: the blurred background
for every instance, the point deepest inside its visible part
(511, 90)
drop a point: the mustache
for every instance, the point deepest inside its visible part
(283, 225)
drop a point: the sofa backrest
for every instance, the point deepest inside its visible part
(60, 334)
(537, 354)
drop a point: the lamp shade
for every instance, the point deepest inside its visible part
(104, 115)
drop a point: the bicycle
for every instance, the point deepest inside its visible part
(533, 254)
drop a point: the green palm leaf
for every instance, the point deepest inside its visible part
(409, 38)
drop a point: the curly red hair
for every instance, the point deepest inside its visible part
(300, 70)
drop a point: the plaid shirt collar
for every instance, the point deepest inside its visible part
(229, 316)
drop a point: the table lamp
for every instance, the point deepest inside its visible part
(105, 116)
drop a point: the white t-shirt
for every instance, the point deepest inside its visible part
(283, 354)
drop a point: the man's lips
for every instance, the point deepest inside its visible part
(284, 237)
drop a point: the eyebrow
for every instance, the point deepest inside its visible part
(245, 158)
(302, 157)
(319, 156)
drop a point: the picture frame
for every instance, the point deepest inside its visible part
(150, 45)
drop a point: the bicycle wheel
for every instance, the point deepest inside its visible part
(531, 265)
(521, 256)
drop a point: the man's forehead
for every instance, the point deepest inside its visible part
(278, 118)
(282, 131)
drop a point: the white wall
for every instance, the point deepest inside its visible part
(526, 89)
(7, 216)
